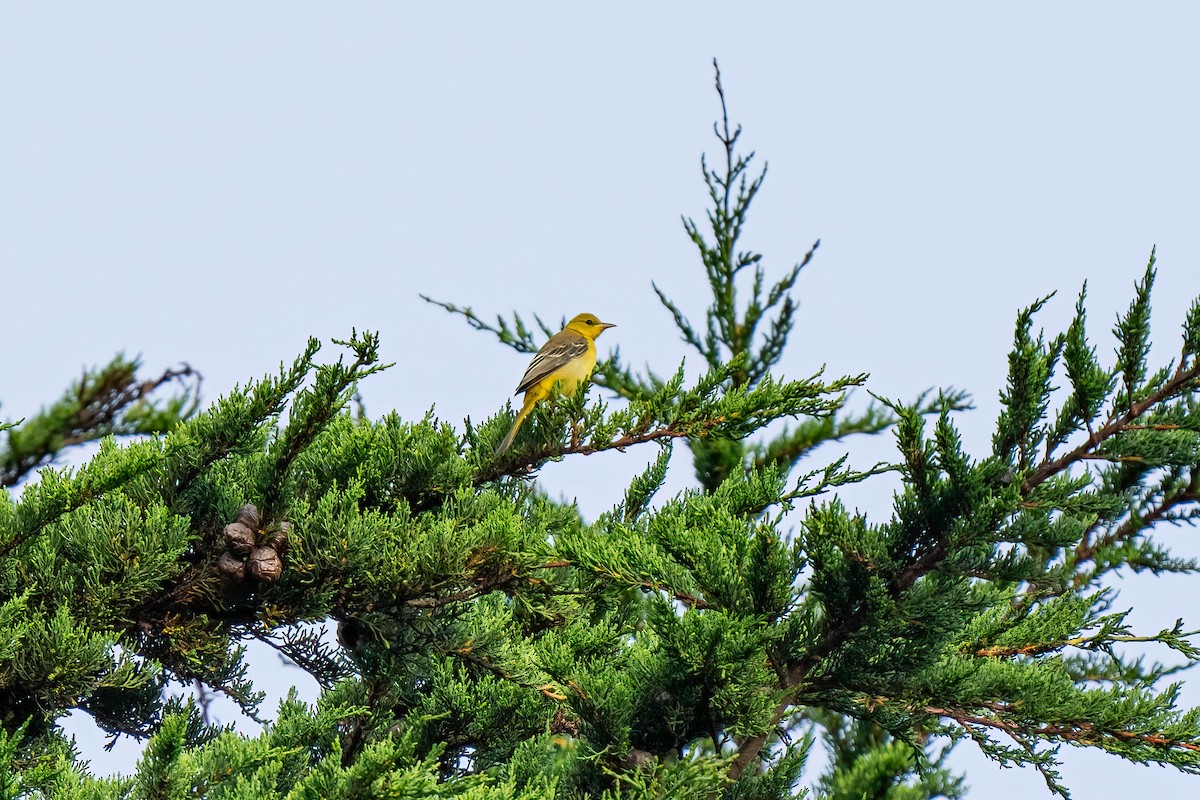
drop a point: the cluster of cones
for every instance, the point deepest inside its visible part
(252, 548)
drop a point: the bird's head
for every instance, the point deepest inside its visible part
(589, 325)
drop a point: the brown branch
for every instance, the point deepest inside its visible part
(1080, 733)
(1023, 650)
(1171, 427)
(457, 597)
(749, 749)
(1084, 642)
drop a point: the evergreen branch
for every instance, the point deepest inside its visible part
(1100, 641)
(776, 339)
(230, 680)
(1026, 396)
(531, 461)
(1082, 732)
(917, 557)
(455, 597)
(467, 655)
(1184, 379)
(781, 326)
(610, 374)
(791, 680)
(1155, 428)
(503, 580)
(731, 192)
(307, 651)
(749, 748)
(355, 739)
(516, 336)
(313, 409)
(795, 676)
(1133, 332)
(1091, 384)
(59, 493)
(1191, 333)
(688, 599)
(231, 423)
(832, 476)
(108, 401)
(1089, 545)
(794, 444)
(700, 413)
(712, 357)
(1109, 667)
(643, 488)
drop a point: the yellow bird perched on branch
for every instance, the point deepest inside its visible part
(566, 360)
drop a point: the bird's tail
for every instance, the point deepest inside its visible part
(512, 432)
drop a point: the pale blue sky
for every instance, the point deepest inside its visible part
(216, 183)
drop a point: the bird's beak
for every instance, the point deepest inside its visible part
(606, 325)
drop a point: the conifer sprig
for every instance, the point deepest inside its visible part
(106, 401)
(794, 443)
(315, 407)
(730, 331)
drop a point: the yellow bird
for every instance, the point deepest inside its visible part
(566, 360)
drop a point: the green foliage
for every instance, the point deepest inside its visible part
(492, 643)
(1090, 383)
(1133, 335)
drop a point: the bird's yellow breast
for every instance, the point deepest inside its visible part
(574, 372)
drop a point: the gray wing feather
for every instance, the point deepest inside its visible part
(553, 355)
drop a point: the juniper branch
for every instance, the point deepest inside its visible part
(107, 401)
(1184, 380)
(1077, 733)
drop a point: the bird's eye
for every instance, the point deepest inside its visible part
(591, 322)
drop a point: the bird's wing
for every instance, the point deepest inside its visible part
(562, 348)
